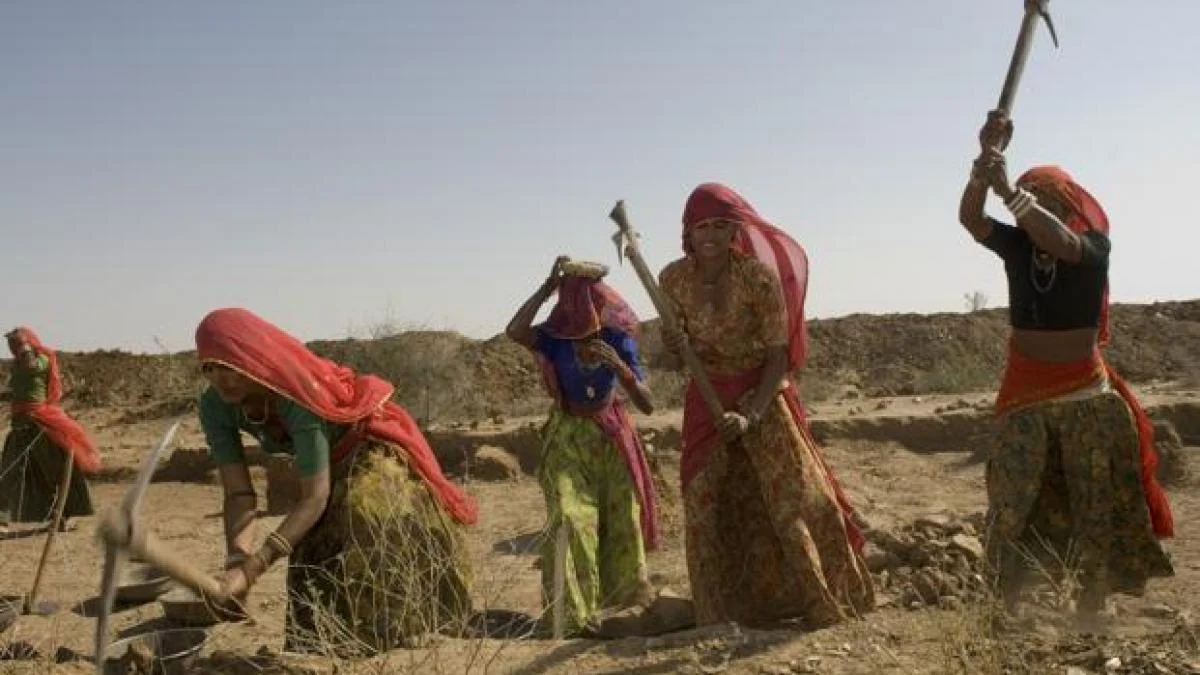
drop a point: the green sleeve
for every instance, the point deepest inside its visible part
(310, 440)
(42, 365)
(218, 420)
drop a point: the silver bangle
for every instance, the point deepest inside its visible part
(1021, 203)
(277, 542)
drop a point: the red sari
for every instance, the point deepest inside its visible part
(769, 502)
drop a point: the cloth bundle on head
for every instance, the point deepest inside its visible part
(59, 427)
(239, 339)
(585, 305)
(759, 239)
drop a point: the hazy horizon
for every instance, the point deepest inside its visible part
(335, 166)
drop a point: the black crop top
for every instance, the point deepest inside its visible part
(1066, 298)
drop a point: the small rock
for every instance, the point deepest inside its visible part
(1112, 664)
(969, 545)
(934, 520)
(490, 463)
(1159, 611)
(950, 603)
(877, 558)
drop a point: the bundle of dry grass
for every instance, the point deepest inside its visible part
(401, 573)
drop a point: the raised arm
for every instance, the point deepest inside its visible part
(1043, 227)
(520, 328)
(995, 134)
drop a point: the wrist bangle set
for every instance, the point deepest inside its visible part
(274, 548)
(1021, 203)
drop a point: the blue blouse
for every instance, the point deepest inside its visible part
(578, 383)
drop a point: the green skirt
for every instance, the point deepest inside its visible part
(1065, 495)
(593, 538)
(30, 472)
(383, 567)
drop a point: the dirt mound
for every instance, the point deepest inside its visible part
(1172, 465)
(489, 463)
(443, 375)
(936, 561)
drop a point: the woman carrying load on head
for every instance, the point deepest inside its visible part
(770, 536)
(43, 440)
(1073, 474)
(376, 552)
(600, 498)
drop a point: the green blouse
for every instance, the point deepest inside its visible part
(290, 429)
(28, 385)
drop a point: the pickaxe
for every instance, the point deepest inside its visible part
(121, 532)
(1034, 10)
(626, 236)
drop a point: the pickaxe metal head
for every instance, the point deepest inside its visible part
(618, 238)
(115, 530)
(1042, 7)
(625, 237)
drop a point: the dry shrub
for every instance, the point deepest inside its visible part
(405, 578)
(984, 639)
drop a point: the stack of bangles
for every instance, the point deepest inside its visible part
(257, 563)
(1021, 203)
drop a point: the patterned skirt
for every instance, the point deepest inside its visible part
(766, 538)
(593, 538)
(30, 473)
(1065, 494)
(383, 567)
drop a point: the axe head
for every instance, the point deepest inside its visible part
(1042, 8)
(625, 238)
(617, 240)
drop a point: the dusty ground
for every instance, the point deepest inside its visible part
(902, 459)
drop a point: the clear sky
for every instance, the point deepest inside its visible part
(335, 164)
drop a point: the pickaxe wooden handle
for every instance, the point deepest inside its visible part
(60, 507)
(126, 535)
(1034, 10)
(113, 554)
(627, 236)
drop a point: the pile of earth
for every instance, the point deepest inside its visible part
(936, 561)
(444, 375)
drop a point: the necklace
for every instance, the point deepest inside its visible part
(1038, 267)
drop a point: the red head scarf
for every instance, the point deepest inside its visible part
(59, 427)
(1086, 213)
(240, 340)
(585, 306)
(770, 245)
